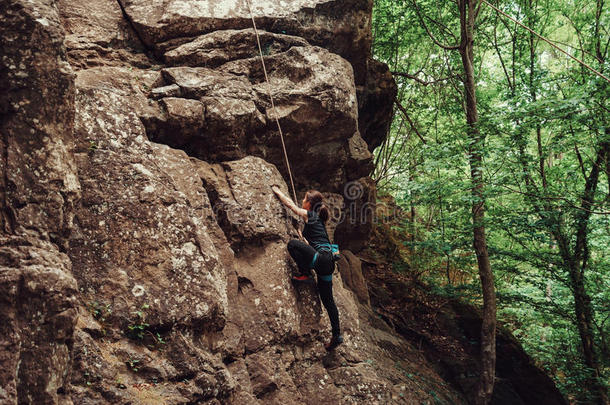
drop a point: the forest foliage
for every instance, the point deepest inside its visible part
(546, 169)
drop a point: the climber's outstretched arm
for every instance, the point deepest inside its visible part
(289, 203)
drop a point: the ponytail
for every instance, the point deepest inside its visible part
(316, 203)
(324, 213)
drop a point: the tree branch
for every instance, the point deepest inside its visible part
(437, 42)
(421, 81)
(406, 114)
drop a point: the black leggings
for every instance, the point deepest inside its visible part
(303, 254)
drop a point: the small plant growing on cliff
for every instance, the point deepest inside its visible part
(139, 330)
(119, 383)
(92, 146)
(138, 326)
(99, 310)
(155, 341)
(133, 364)
(158, 341)
(90, 379)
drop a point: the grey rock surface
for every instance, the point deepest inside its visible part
(142, 253)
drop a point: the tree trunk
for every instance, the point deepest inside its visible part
(574, 260)
(584, 321)
(475, 150)
(577, 265)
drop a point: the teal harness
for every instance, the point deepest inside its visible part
(334, 249)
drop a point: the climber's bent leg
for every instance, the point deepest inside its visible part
(325, 288)
(302, 254)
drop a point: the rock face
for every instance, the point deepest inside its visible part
(39, 312)
(228, 114)
(39, 190)
(343, 27)
(142, 253)
(350, 268)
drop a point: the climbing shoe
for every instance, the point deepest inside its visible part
(334, 342)
(302, 279)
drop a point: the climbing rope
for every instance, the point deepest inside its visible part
(277, 121)
(547, 41)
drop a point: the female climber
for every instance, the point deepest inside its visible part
(317, 254)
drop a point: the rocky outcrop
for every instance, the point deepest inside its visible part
(315, 89)
(143, 253)
(343, 27)
(38, 193)
(376, 102)
(350, 267)
(229, 116)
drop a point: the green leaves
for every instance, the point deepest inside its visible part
(138, 326)
(543, 118)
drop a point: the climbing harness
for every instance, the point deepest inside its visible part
(328, 247)
(333, 249)
(328, 277)
(260, 51)
(314, 260)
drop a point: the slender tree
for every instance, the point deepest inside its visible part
(570, 228)
(468, 11)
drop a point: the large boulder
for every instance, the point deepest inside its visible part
(376, 98)
(211, 115)
(210, 34)
(344, 27)
(38, 312)
(350, 267)
(315, 103)
(227, 115)
(148, 244)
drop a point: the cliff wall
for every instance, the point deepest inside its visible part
(143, 254)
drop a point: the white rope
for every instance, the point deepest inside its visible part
(274, 112)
